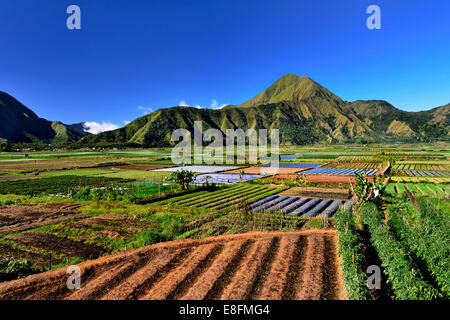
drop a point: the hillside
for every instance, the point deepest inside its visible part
(20, 124)
(304, 111)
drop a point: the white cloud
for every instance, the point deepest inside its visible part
(145, 110)
(126, 122)
(215, 104)
(198, 107)
(95, 127)
(183, 104)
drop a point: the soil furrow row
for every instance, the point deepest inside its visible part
(278, 274)
(312, 276)
(207, 280)
(177, 275)
(245, 276)
(293, 278)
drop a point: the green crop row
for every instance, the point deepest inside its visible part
(204, 202)
(235, 196)
(403, 273)
(350, 250)
(425, 232)
(252, 198)
(187, 202)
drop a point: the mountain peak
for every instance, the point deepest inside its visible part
(289, 87)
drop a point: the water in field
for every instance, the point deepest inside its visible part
(225, 178)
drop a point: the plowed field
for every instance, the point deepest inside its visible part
(270, 265)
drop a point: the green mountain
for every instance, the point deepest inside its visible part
(304, 111)
(20, 124)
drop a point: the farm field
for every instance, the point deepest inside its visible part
(281, 266)
(138, 233)
(352, 171)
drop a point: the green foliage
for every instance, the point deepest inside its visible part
(350, 250)
(425, 232)
(109, 193)
(183, 178)
(401, 269)
(53, 185)
(172, 226)
(364, 190)
(11, 269)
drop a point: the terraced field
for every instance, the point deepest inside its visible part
(277, 265)
(422, 173)
(228, 198)
(300, 206)
(368, 172)
(419, 189)
(422, 166)
(350, 165)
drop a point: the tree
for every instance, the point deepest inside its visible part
(183, 178)
(364, 190)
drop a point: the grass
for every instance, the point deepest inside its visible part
(53, 185)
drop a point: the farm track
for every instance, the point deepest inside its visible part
(260, 265)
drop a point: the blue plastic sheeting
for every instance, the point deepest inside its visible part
(262, 201)
(288, 157)
(339, 171)
(282, 204)
(332, 208)
(348, 205)
(294, 205)
(300, 206)
(224, 178)
(308, 205)
(318, 208)
(269, 204)
(296, 165)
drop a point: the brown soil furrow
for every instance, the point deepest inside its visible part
(263, 272)
(312, 276)
(191, 277)
(173, 279)
(293, 278)
(31, 225)
(278, 274)
(243, 279)
(225, 278)
(102, 284)
(55, 284)
(207, 280)
(257, 265)
(139, 282)
(52, 284)
(332, 286)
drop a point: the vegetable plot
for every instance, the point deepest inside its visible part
(304, 207)
(368, 172)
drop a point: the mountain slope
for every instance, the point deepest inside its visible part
(291, 87)
(20, 124)
(304, 111)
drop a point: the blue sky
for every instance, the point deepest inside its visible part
(133, 56)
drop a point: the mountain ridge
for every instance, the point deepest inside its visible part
(19, 124)
(303, 110)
